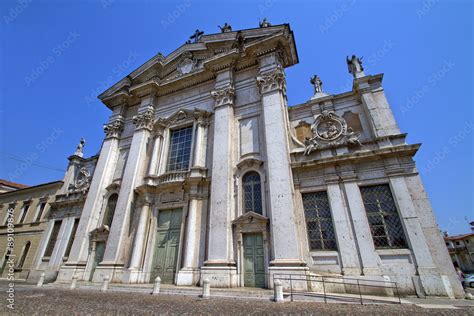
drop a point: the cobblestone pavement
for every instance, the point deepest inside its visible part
(50, 301)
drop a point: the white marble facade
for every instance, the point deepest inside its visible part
(223, 97)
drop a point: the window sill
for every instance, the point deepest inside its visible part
(397, 251)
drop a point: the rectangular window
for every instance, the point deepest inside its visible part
(384, 221)
(319, 222)
(180, 149)
(24, 211)
(52, 239)
(71, 238)
(41, 208)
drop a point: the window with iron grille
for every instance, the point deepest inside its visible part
(384, 221)
(52, 239)
(180, 149)
(252, 192)
(319, 222)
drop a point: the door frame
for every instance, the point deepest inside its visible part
(251, 223)
(151, 248)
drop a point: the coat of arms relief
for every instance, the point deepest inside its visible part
(329, 130)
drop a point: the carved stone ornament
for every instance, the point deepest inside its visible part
(82, 181)
(272, 81)
(330, 130)
(187, 64)
(224, 96)
(114, 129)
(144, 120)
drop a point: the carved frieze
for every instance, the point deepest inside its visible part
(272, 81)
(224, 96)
(144, 120)
(114, 129)
(329, 130)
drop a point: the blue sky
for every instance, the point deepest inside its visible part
(57, 56)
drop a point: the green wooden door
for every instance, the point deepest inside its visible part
(167, 245)
(254, 262)
(98, 257)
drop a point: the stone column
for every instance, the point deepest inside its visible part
(133, 273)
(362, 231)
(220, 265)
(189, 274)
(345, 239)
(102, 177)
(116, 248)
(155, 156)
(429, 274)
(287, 256)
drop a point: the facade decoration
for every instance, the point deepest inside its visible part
(272, 81)
(224, 96)
(82, 181)
(144, 120)
(264, 23)
(354, 65)
(330, 130)
(187, 64)
(80, 148)
(114, 129)
(195, 37)
(225, 28)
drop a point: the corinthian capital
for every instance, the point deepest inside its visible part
(272, 81)
(144, 120)
(224, 96)
(114, 129)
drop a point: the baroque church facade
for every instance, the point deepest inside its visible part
(205, 172)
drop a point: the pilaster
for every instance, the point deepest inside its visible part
(76, 264)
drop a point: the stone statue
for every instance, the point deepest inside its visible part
(354, 64)
(317, 83)
(226, 28)
(195, 37)
(80, 148)
(265, 23)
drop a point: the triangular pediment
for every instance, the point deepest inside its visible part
(250, 217)
(200, 60)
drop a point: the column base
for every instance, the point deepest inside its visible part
(133, 275)
(351, 271)
(113, 271)
(219, 276)
(188, 276)
(68, 271)
(372, 272)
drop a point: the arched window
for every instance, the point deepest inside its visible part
(110, 210)
(252, 192)
(24, 254)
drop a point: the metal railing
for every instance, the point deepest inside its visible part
(347, 282)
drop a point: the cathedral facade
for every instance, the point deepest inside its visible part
(206, 172)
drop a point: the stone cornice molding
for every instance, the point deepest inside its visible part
(145, 120)
(114, 129)
(274, 81)
(224, 96)
(182, 116)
